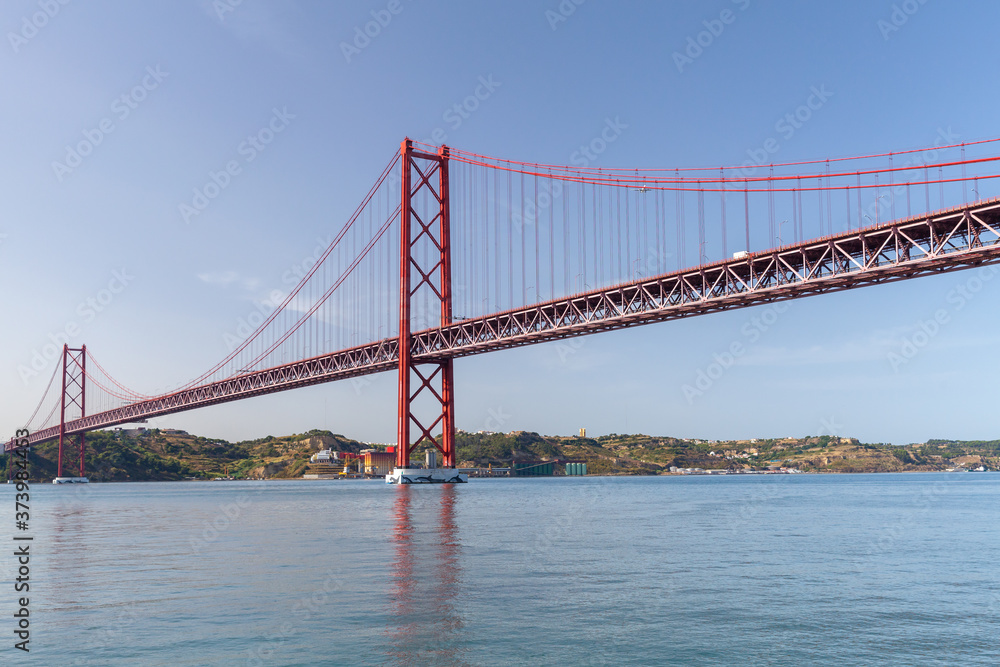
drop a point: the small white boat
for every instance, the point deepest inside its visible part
(71, 480)
(426, 476)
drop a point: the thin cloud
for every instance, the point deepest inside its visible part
(227, 278)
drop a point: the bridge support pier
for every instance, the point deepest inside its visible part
(426, 388)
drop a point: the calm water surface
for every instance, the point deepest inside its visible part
(777, 570)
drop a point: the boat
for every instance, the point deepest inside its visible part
(71, 480)
(426, 476)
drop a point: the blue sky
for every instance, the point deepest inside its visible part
(199, 77)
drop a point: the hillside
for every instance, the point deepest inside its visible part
(643, 455)
(156, 455)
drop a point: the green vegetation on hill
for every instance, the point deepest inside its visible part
(168, 455)
(154, 455)
(956, 448)
(498, 447)
(642, 454)
(112, 458)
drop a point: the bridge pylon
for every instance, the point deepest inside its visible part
(73, 398)
(426, 388)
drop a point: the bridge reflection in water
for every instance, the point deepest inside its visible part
(425, 623)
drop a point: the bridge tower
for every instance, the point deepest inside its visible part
(426, 388)
(74, 394)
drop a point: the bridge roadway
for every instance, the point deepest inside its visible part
(949, 240)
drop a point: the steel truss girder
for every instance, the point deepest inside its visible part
(363, 360)
(950, 240)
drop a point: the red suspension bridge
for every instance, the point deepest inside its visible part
(452, 254)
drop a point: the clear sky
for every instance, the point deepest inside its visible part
(167, 92)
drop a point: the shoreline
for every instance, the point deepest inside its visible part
(534, 477)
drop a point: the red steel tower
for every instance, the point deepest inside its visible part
(425, 274)
(74, 394)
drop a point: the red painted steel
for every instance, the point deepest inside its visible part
(83, 404)
(62, 411)
(949, 240)
(353, 362)
(403, 345)
(436, 372)
(74, 394)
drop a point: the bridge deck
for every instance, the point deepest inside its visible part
(948, 240)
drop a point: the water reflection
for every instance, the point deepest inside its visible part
(72, 517)
(425, 625)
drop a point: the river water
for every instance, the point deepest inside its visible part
(890, 569)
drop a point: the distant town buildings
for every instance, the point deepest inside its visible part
(141, 430)
(771, 470)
